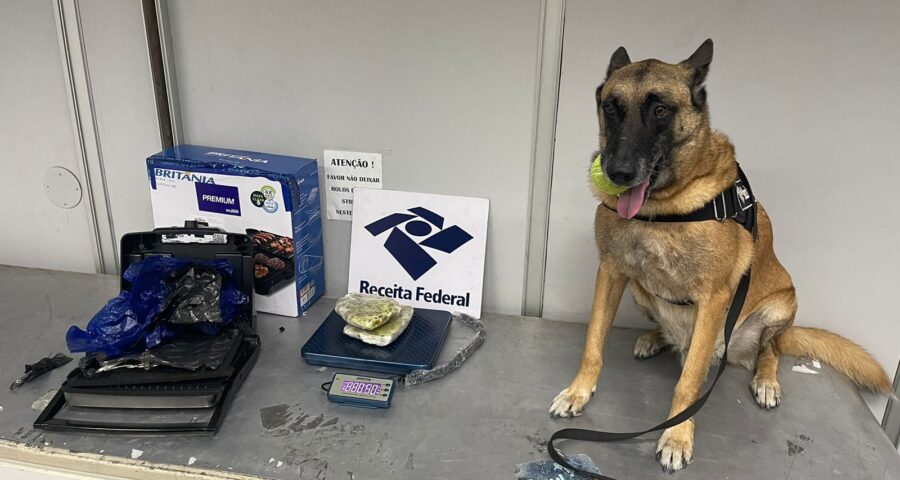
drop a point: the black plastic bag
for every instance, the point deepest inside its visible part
(189, 352)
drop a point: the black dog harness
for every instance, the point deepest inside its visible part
(734, 203)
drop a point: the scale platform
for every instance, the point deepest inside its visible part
(416, 349)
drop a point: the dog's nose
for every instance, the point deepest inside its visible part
(622, 174)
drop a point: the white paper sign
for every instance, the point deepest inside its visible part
(344, 171)
(423, 250)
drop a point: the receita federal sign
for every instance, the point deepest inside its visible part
(424, 250)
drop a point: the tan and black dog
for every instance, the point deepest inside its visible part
(655, 139)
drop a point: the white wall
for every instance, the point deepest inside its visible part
(807, 91)
(124, 106)
(36, 133)
(447, 87)
(37, 129)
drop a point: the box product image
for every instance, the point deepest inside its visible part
(274, 199)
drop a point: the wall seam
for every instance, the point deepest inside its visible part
(549, 66)
(78, 82)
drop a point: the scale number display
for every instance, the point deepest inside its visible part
(364, 388)
(361, 391)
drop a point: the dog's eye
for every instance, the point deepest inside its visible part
(609, 108)
(660, 111)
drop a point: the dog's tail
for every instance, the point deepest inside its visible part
(835, 350)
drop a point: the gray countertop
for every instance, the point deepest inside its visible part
(479, 422)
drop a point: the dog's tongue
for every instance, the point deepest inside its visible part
(632, 200)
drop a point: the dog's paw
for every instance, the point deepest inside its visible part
(571, 401)
(648, 345)
(766, 392)
(675, 449)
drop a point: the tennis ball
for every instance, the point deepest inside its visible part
(601, 182)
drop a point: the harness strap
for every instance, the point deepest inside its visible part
(735, 202)
(744, 214)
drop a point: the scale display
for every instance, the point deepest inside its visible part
(359, 391)
(363, 388)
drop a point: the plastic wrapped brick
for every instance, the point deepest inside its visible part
(195, 297)
(385, 334)
(366, 312)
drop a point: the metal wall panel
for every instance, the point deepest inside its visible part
(447, 89)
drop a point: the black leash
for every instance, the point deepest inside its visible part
(737, 203)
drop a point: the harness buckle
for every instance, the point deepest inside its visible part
(724, 214)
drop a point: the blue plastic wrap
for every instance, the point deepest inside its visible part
(130, 322)
(115, 326)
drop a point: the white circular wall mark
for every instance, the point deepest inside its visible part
(62, 187)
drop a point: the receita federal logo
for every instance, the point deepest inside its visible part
(414, 230)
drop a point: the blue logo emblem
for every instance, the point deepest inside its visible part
(420, 223)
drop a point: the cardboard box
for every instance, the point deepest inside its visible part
(273, 198)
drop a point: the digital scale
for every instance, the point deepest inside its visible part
(361, 391)
(416, 348)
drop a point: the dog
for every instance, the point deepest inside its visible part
(656, 140)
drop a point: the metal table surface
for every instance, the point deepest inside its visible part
(479, 422)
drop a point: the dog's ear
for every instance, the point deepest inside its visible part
(699, 62)
(619, 59)
(702, 57)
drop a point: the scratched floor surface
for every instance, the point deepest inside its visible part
(478, 423)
